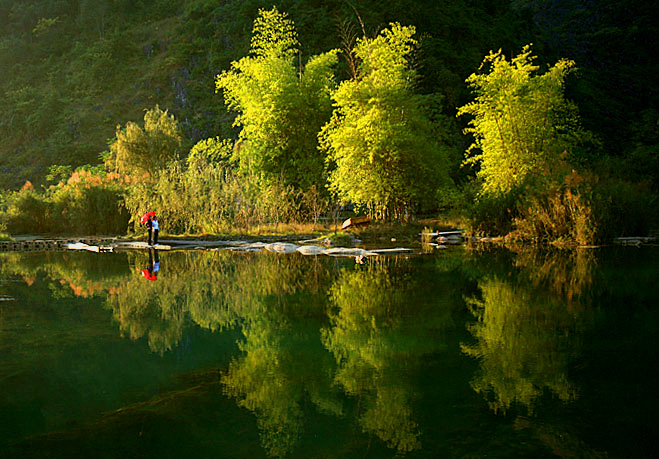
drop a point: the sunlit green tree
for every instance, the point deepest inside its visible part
(213, 151)
(281, 104)
(144, 150)
(521, 122)
(380, 149)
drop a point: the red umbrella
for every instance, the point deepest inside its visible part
(146, 216)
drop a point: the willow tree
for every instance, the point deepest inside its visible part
(281, 104)
(380, 149)
(521, 122)
(144, 151)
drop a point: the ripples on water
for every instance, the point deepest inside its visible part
(499, 353)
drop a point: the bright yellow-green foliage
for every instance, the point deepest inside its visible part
(213, 150)
(521, 121)
(377, 326)
(522, 346)
(141, 151)
(378, 142)
(210, 198)
(281, 106)
(274, 35)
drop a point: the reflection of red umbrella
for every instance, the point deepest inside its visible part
(146, 216)
(148, 275)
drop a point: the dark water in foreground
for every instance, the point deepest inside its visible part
(460, 353)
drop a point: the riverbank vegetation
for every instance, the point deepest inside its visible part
(315, 115)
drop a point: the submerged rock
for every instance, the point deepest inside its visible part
(240, 249)
(636, 240)
(452, 239)
(393, 251)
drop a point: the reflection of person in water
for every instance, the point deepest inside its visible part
(156, 262)
(150, 271)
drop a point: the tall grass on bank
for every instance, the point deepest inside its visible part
(559, 216)
(212, 198)
(582, 209)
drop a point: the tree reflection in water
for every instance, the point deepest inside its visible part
(313, 329)
(382, 319)
(381, 322)
(526, 328)
(191, 285)
(317, 330)
(280, 305)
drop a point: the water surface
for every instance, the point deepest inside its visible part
(458, 353)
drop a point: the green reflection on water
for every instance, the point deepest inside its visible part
(382, 320)
(528, 327)
(280, 306)
(305, 343)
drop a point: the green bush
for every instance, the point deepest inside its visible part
(588, 212)
(92, 210)
(493, 214)
(87, 204)
(26, 211)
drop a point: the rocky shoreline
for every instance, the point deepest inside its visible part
(283, 244)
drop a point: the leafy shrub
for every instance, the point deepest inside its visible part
(90, 210)
(493, 214)
(26, 211)
(88, 203)
(587, 211)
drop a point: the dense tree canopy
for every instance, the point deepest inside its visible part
(143, 151)
(521, 122)
(280, 107)
(379, 143)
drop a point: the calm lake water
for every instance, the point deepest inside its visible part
(455, 353)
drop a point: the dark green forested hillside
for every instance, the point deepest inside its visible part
(71, 70)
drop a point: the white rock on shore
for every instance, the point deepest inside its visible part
(311, 250)
(281, 247)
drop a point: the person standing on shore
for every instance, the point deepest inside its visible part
(149, 228)
(155, 226)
